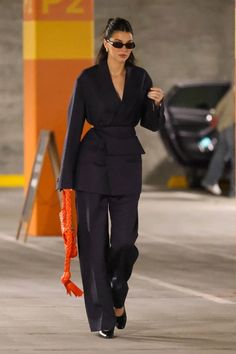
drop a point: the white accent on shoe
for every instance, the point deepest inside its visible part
(106, 333)
(102, 334)
(214, 189)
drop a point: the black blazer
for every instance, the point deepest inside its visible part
(108, 159)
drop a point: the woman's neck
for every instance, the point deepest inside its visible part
(116, 68)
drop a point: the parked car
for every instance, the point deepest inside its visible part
(190, 134)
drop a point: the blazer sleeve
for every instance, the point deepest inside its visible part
(152, 116)
(75, 123)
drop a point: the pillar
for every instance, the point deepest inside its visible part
(58, 42)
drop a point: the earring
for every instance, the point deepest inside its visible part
(106, 50)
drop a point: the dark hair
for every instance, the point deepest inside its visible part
(113, 25)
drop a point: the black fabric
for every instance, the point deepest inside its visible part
(108, 159)
(106, 256)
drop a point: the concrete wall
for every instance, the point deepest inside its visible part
(177, 40)
(11, 144)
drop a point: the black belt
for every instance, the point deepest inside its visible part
(115, 131)
(119, 140)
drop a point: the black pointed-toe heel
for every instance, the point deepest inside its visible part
(106, 333)
(121, 320)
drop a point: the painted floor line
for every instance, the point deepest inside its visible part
(191, 248)
(183, 289)
(20, 243)
(154, 281)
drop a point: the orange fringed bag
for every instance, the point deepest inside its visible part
(68, 234)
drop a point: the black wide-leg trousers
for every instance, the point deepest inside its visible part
(106, 259)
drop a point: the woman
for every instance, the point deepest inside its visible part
(105, 170)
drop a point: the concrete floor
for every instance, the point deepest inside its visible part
(182, 296)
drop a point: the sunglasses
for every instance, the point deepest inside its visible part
(117, 44)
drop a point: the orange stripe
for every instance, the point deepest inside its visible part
(58, 10)
(48, 86)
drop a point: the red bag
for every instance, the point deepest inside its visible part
(68, 234)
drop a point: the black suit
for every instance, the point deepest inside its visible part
(105, 169)
(108, 159)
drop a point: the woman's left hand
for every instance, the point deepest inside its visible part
(156, 94)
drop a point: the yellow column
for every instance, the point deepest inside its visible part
(58, 42)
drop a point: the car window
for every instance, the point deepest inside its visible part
(202, 97)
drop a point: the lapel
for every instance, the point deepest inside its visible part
(108, 91)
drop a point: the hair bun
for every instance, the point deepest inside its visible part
(110, 20)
